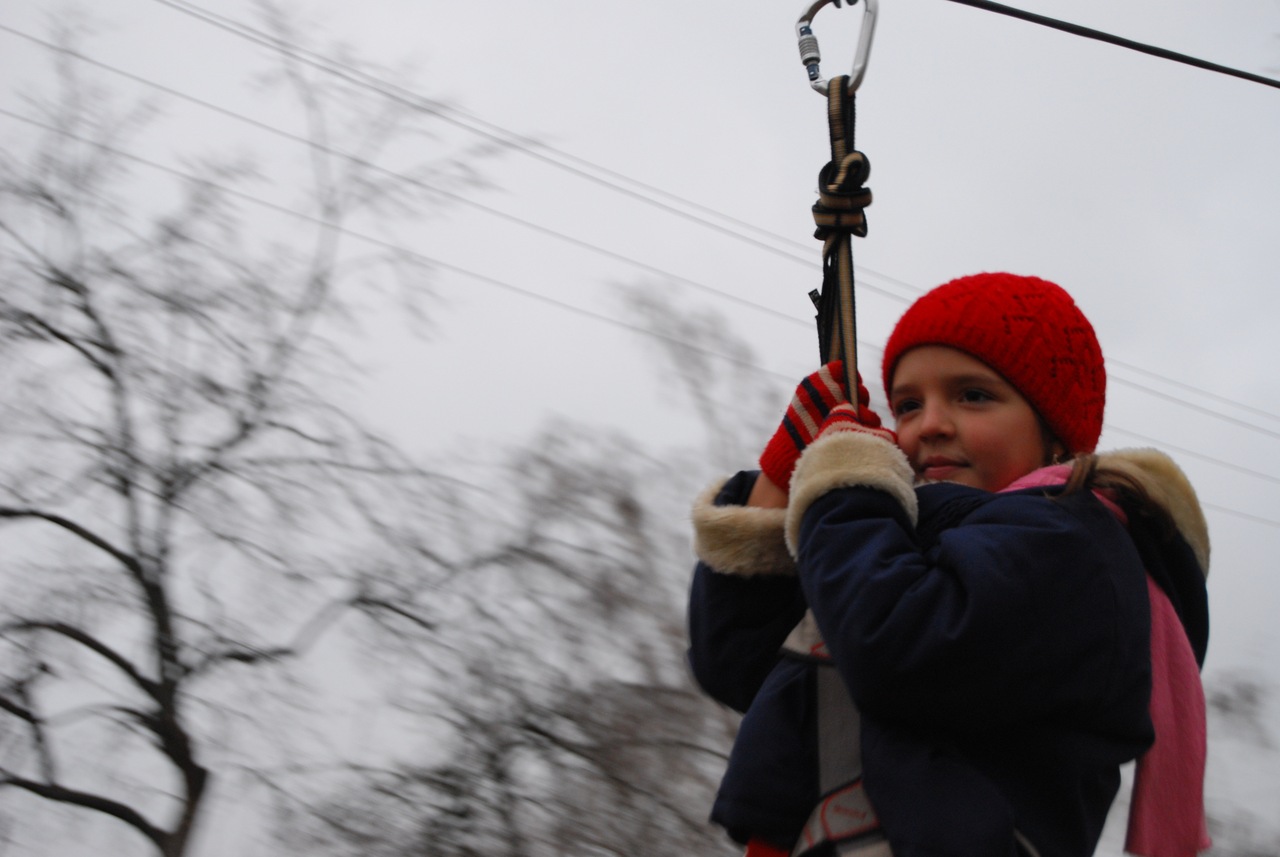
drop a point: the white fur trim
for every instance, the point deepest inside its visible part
(848, 459)
(745, 540)
(1168, 486)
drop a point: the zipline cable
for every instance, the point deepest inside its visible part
(1099, 35)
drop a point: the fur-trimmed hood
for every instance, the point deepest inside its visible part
(1168, 486)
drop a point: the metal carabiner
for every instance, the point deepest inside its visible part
(810, 56)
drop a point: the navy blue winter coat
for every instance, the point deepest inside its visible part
(996, 645)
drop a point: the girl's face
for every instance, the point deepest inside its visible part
(959, 420)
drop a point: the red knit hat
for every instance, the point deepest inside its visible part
(1027, 329)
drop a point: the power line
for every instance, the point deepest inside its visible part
(1236, 513)
(1099, 35)
(553, 302)
(526, 145)
(1210, 411)
(1266, 477)
(1199, 391)
(810, 262)
(389, 245)
(460, 117)
(419, 101)
(499, 135)
(587, 169)
(455, 197)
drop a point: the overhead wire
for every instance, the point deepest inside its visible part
(1099, 35)
(491, 132)
(639, 264)
(1191, 453)
(461, 118)
(531, 147)
(1191, 388)
(545, 299)
(570, 307)
(1227, 418)
(419, 182)
(494, 132)
(1236, 513)
(383, 243)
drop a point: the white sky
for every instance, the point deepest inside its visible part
(1149, 190)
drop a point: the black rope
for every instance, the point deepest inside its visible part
(1088, 33)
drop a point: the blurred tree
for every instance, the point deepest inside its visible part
(1244, 765)
(567, 723)
(183, 495)
(564, 720)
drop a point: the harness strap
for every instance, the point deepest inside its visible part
(839, 731)
(845, 819)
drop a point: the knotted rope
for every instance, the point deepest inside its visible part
(839, 216)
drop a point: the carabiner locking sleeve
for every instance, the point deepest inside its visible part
(811, 56)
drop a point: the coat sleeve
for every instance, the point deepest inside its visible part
(745, 597)
(1030, 608)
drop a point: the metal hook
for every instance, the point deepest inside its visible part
(810, 55)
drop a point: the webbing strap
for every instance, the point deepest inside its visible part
(839, 730)
(839, 215)
(845, 821)
(843, 817)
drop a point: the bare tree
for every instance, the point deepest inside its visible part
(713, 369)
(562, 717)
(564, 720)
(185, 505)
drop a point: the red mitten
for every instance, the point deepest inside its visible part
(815, 399)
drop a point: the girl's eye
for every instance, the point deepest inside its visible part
(974, 396)
(906, 406)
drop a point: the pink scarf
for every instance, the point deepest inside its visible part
(1166, 810)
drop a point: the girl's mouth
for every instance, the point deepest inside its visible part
(939, 468)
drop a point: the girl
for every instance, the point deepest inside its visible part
(1010, 628)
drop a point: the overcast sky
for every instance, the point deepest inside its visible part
(1150, 190)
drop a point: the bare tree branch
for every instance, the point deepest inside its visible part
(91, 643)
(84, 533)
(395, 609)
(74, 797)
(307, 636)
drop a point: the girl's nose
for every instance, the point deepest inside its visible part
(935, 420)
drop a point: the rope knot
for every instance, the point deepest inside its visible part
(842, 197)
